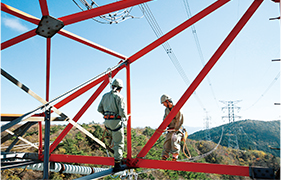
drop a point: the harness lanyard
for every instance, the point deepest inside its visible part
(185, 146)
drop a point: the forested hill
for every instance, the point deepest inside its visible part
(77, 143)
(251, 134)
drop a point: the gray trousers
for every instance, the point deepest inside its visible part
(171, 146)
(117, 137)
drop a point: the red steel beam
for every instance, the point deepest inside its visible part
(81, 16)
(177, 30)
(40, 140)
(91, 44)
(18, 39)
(129, 141)
(44, 7)
(19, 14)
(200, 76)
(195, 167)
(82, 159)
(156, 164)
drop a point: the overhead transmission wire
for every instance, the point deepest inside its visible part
(262, 95)
(158, 32)
(188, 12)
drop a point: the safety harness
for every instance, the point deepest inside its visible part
(184, 134)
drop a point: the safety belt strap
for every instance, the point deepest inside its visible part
(117, 129)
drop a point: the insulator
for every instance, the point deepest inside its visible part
(71, 169)
(77, 169)
(39, 167)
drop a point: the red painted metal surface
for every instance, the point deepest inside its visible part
(129, 141)
(19, 14)
(91, 44)
(157, 164)
(44, 7)
(18, 39)
(40, 139)
(82, 159)
(81, 16)
(195, 167)
(200, 76)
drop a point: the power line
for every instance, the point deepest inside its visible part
(158, 32)
(188, 12)
(262, 95)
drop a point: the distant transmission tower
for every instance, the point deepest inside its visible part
(232, 136)
(207, 127)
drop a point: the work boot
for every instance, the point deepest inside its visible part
(164, 158)
(117, 166)
(175, 156)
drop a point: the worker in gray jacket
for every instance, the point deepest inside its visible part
(112, 106)
(174, 132)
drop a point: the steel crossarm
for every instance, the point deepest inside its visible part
(195, 167)
(18, 39)
(203, 73)
(19, 14)
(44, 7)
(177, 30)
(91, 44)
(81, 16)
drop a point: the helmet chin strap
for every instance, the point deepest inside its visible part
(114, 88)
(168, 104)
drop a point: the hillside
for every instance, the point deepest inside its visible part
(77, 143)
(251, 134)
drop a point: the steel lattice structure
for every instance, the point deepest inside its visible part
(53, 105)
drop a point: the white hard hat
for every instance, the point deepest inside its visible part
(117, 83)
(164, 98)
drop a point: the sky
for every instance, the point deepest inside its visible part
(245, 73)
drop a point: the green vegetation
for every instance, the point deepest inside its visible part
(76, 143)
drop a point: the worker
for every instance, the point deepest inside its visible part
(174, 132)
(112, 106)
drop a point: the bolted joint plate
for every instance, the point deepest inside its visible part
(261, 173)
(49, 26)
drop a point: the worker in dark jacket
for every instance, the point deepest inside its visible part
(112, 106)
(174, 133)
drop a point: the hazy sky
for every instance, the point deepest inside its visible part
(245, 71)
